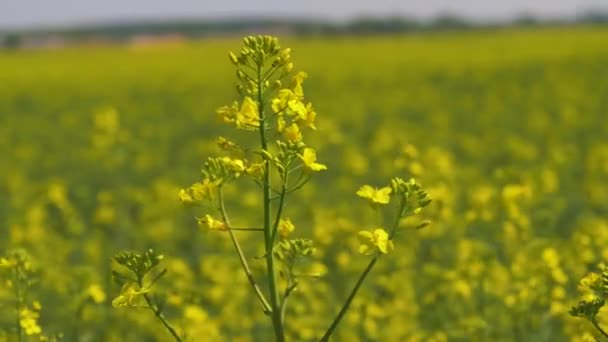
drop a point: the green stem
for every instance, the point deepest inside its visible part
(239, 251)
(348, 301)
(277, 323)
(158, 313)
(18, 301)
(597, 326)
(354, 291)
(277, 218)
(247, 229)
(288, 291)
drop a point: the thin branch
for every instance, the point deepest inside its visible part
(597, 326)
(248, 229)
(277, 218)
(354, 291)
(237, 247)
(158, 313)
(288, 291)
(349, 300)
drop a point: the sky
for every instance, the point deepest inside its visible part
(57, 13)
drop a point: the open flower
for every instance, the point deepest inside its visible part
(210, 223)
(248, 116)
(285, 228)
(292, 133)
(128, 296)
(375, 195)
(309, 157)
(374, 241)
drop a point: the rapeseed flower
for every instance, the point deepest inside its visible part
(309, 157)
(129, 294)
(293, 133)
(372, 241)
(210, 223)
(285, 228)
(375, 195)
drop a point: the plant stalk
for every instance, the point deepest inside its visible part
(237, 247)
(277, 322)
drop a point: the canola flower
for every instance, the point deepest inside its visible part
(373, 241)
(374, 195)
(309, 157)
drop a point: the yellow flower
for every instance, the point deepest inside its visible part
(204, 190)
(286, 227)
(235, 165)
(375, 195)
(255, 170)
(281, 102)
(129, 293)
(185, 197)
(248, 116)
(6, 263)
(298, 108)
(293, 134)
(210, 223)
(308, 119)
(96, 293)
(28, 320)
(374, 241)
(298, 79)
(309, 157)
(280, 124)
(227, 113)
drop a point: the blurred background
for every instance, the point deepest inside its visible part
(32, 23)
(498, 108)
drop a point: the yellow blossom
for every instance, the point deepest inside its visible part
(281, 102)
(236, 165)
(96, 293)
(298, 79)
(28, 320)
(308, 119)
(204, 190)
(248, 116)
(293, 133)
(375, 195)
(255, 170)
(6, 263)
(280, 124)
(184, 197)
(129, 293)
(211, 223)
(374, 241)
(309, 157)
(286, 227)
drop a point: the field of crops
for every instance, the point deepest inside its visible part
(507, 131)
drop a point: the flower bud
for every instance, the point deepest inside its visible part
(233, 58)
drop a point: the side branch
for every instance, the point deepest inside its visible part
(237, 247)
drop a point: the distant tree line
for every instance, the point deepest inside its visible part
(121, 31)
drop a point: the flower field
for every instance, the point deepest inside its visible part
(507, 131)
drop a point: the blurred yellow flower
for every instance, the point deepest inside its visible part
(298, 79)
(129, 294)
(28, 320)
(286, 227)
(309, 157)
(208, 222)
(374, 240)
(185, 197)
(96, 293)
(248, 116)
(292, 133)
(375, 195)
